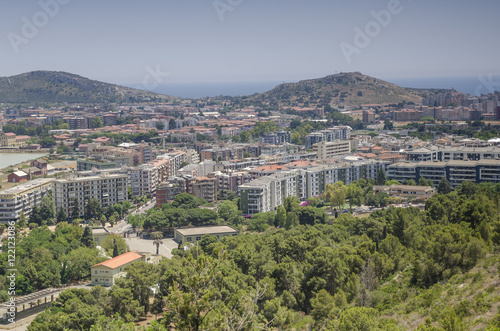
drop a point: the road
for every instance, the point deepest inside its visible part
(141, 244)
(123, 226)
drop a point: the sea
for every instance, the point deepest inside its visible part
(10, 159)
(472, 85)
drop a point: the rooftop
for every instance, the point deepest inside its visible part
(206, 230)
(119, 260)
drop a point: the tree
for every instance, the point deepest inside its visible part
(61, 216)
(388, 125)
(47, 210)
(355, 194)
(87, 239)
(157, 236)
(322, 306)
(97, 122)
(115, 249)
(444, 186)
(228, 211)
(280, 220)
(423, 182)
(185, 201)
(109, 243)
(336, 194)
(381, 177)
(22, 221)
(160, 126)
(171, 124)
(291, 220)
(140, 278)
(93, 209)
(75, 212)
(291, 203)
(158, 305)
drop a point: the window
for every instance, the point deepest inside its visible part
(188, 238)
(198, 238)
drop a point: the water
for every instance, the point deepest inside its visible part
(474, 85)
(201, 90)
(10, 159)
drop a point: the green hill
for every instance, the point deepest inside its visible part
(63, 87)
(344, 89)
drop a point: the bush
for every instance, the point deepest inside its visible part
(32, 226)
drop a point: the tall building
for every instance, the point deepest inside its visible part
(22, 198)
(268, 192)
(205, 188)
(455, 171)
(334, 133)
(108, 189)
(329, 149)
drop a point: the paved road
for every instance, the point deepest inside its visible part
(146, 245)
(123, 226)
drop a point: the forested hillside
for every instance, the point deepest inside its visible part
(398, 269)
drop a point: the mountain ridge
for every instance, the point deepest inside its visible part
(63, 87)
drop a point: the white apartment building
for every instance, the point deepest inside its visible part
(108, 189)
(328, 149)
(268, 192)
(22, 198)
(143, 179)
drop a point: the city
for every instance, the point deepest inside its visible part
(246, 165)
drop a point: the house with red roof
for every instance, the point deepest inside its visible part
(105, 273)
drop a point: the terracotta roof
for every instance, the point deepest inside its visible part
(120, 260)
(271, 167)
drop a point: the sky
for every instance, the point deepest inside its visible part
(181, 41)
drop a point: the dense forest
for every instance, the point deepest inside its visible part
(398, 269)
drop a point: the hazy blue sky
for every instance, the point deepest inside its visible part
(259, 40)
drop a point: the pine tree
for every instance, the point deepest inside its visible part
(75, 213)
(115, 248)
(87, 239)
(22, 221)
(61, 216)
(444, 186)
(381, 177)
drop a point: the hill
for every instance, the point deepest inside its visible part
(62, 87)
(343, 89)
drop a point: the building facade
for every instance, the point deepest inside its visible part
(108, 189)
(329, 149)
(21, 199)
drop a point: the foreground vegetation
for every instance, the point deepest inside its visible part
(397, 269)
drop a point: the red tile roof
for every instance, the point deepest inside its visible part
(120, 260)
(271, 167)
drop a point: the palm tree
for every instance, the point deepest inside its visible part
(157, 236)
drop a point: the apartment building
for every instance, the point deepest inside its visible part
(276, 138)
(142, 179)
(21, 199)
(328, 149)
(107, 188)
(461, 153)
(10, 139)
(175, 159)
(268, 192)
(331, 134)
(406, 191)
(204, 188)
(454, 171)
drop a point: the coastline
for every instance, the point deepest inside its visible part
(24, 151)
